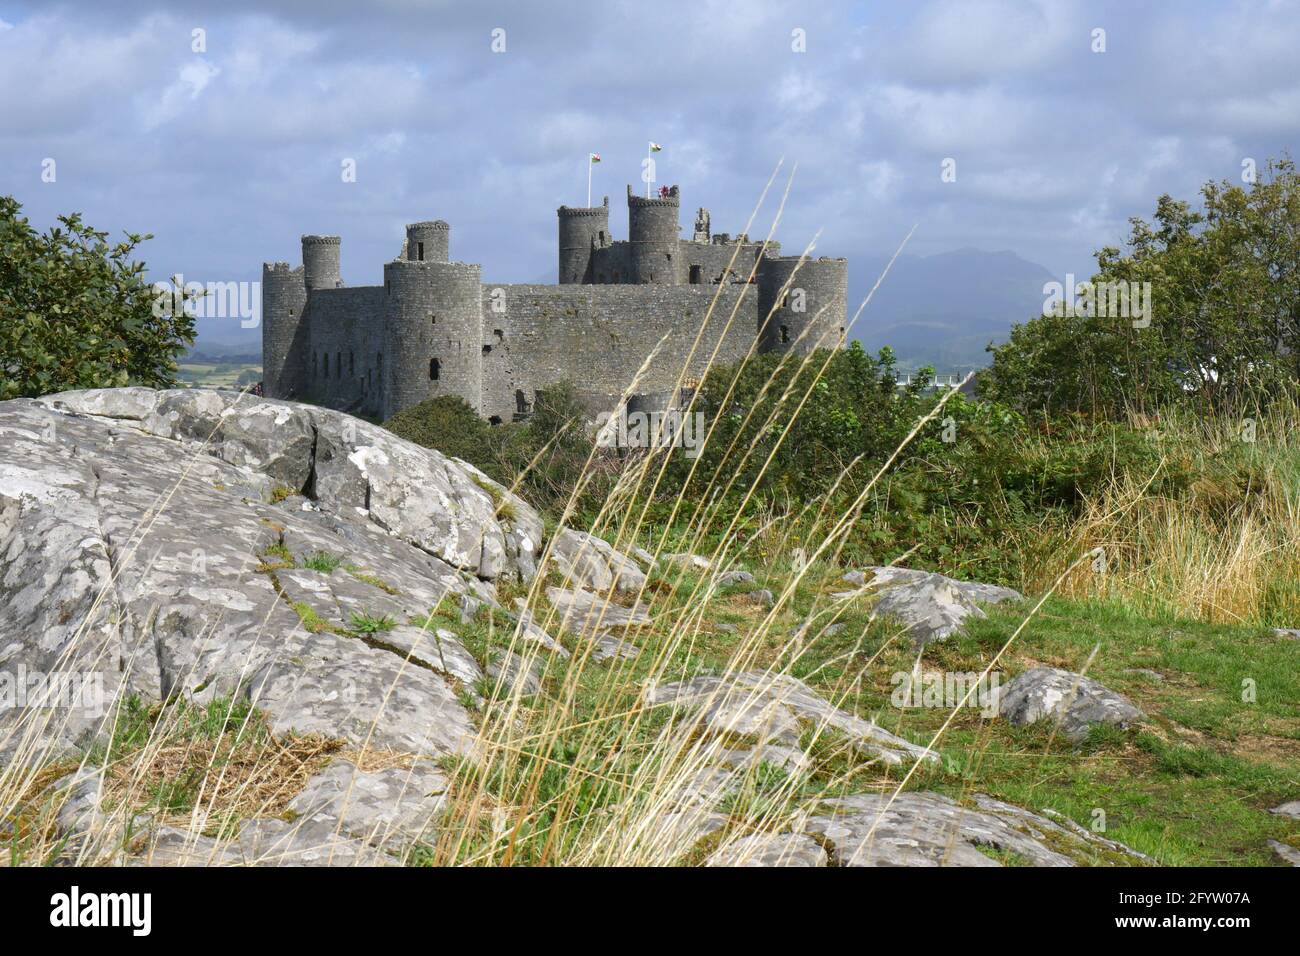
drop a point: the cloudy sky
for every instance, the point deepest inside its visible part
(228, 155)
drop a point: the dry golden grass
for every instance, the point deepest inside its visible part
(1227, 550)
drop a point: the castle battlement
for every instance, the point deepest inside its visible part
(434, 327)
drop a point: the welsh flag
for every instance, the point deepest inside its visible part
(595, 157)
(655, 147)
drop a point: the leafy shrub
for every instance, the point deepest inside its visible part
(76, 311)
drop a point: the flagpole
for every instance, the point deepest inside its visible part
(589, 165)
(647, 169)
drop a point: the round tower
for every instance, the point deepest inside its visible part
(652, 238)
(284, 332)
(320, 262)
(582, 228)
(428, 241)
(802, 307)
(433, 333)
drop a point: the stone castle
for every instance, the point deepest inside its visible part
(435, 328)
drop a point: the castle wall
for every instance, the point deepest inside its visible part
(343, 325)
(652, 227)
(599, 336)
(713, 259)
(285, 331)
(320, 261)
(583, 231)
(433, 333)
(802, 305)
(434, 329)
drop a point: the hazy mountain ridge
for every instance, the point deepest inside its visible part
(943, 309)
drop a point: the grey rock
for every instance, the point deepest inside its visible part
(1290, 809)
(81, 816)
(1288, 853)
(927, 829)
(581, 612)
(792, 760)
(930, 606)
(607, 647)
(391, 808)
(728, 578)
(762, 597)
(132, 527)
(685, 559)
(343, 817)
(528, 629)
(439, 650)
(1287, 633)
(585, 561)
(515, 673)
(1076, 701)
(775, 708)
(770, 849)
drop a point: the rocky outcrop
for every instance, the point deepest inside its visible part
(770, 849)
(1077, 702)
(585, 561)
(585, 613)
(775, 708)
(344, 817)
(211, 544)
(928, 829)
(929, 606)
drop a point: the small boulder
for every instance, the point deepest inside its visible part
(1076, 701)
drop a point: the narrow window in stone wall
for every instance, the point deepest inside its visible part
(785, 333)
(433, 319)
(434, 368)
(695, 275)
(420, 254)
(314, 357)
(352, 364)
(325, 365)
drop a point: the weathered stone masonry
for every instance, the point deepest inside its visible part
(435, 328)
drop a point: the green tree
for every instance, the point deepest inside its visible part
(447, 423)
(1225, 313)
(76, 311)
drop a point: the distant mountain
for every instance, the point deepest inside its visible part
(942, 310)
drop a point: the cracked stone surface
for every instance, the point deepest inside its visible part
(133, 526)
(516, 673)
(928, 829)
(1076, 701)
(1288, 854)
(1290, 809)
(581, 612)
(586, 561)
(607, 646)
(930, 606)
(343, 817)
(770, 849)
(775, 708)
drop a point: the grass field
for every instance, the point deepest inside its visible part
(219, 375)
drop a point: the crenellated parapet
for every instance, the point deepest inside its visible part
(652, 227)
(433, 328)
(802, 303)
